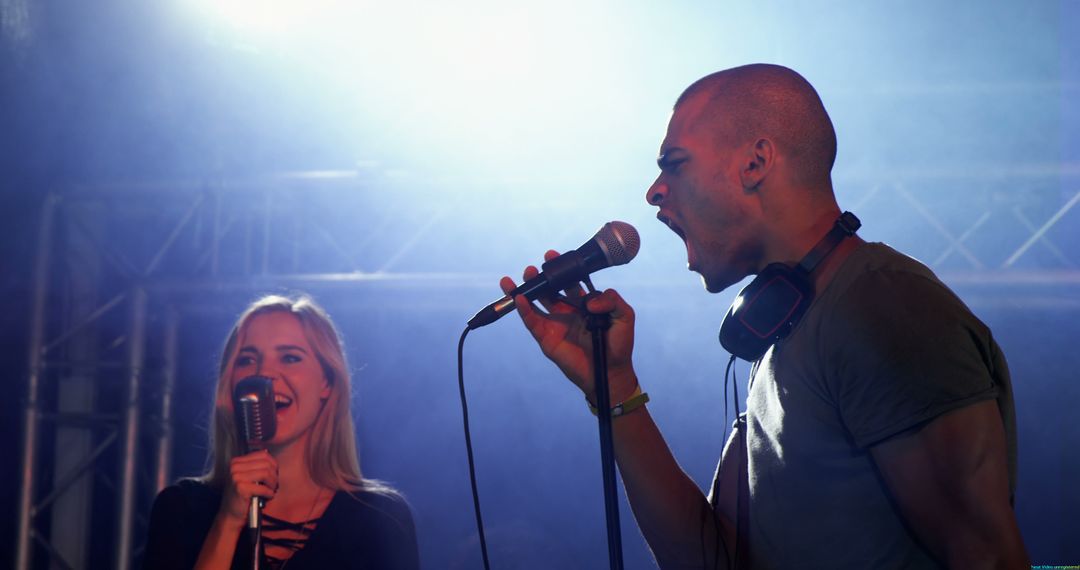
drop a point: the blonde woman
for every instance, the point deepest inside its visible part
(320, 512)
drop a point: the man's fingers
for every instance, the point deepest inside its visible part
(610, 302)
(507, 285)
(530, 272)
(603, 303)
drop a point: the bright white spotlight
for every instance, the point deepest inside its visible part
(269, 17)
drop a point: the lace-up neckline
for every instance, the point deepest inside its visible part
(292, 536)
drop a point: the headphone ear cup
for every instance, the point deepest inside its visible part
(765, 311)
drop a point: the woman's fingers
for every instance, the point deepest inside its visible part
(248, 490)
(251, 475)
(255, 474)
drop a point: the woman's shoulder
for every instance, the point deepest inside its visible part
(376, 504)
(188, 494)
(373, 523)
(379, 498)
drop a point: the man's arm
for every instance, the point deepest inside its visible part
(950, 480)
(678, 523)
(670, 509)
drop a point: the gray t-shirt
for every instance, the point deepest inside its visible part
(885, 347)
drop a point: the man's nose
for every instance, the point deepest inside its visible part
(656, 193)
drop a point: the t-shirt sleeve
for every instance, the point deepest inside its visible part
(400, 538)
(166, 544)
(381, 533)
(911, 351)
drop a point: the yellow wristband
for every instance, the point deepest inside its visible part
(635, 401)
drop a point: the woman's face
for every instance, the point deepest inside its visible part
(274, 345)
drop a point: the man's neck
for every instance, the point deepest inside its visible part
(826, 270)
(801, 234)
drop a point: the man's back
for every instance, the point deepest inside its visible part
(884, 348)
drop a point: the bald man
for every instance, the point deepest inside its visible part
(879, 434)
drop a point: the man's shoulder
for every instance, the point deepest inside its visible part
(874, 258)
(885, 298)
(878, 277)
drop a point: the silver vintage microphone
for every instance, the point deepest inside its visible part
(256, 422)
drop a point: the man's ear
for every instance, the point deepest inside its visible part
(757, 163)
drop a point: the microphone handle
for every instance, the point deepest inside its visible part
(556, 274)
(254, 513)
(255, 532)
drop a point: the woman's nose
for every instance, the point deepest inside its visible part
(264, 368)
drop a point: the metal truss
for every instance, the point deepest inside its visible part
(118, 265)
(1008, 231)
(115, 261)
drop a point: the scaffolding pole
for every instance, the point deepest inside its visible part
(163, 465)
(129, 451)
(30, 404)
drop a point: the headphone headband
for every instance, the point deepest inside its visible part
(846, 225)
(767, 309)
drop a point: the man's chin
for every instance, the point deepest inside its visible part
(716, 283)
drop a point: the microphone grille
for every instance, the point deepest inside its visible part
(255, 414)
(253, 427)
(620, 242)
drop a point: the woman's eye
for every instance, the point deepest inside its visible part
(291, 358)
(244, 361)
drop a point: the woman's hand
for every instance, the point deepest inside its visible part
(564, 338)
(253, 475)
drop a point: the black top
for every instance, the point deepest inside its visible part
(364, 530)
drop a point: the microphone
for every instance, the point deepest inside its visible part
(616, 243)
(256, 422)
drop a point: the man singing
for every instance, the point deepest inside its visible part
(880, 433)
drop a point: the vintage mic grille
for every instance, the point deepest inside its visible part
(255, 413)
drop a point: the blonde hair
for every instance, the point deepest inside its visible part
(331, 456)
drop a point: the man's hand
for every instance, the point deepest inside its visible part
(564, 338)
(674, 516)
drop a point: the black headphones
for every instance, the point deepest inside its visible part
(767, 309)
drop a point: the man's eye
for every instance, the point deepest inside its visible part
(672, 164)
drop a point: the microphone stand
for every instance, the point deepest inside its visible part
(255, 531)
(598, 324)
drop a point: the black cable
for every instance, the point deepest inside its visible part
(468, 447)
(746, 457)
(735, 387)
(727, 372)
(720, 542)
